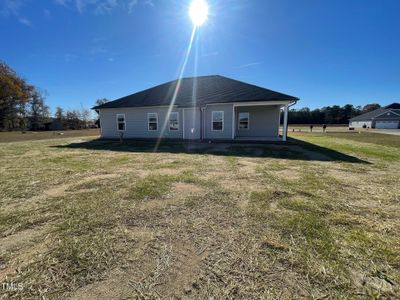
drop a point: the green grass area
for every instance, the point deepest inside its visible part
(364, 144)
(362, 136)
(315, 218)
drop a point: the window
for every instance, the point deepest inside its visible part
(217, 121)
(244, 119)
(173, 121)
(152, 120)
(121, 122)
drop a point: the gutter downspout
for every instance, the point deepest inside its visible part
(287, 121)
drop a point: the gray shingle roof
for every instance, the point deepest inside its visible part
(208, 89)
(369, 115)
(373, 114)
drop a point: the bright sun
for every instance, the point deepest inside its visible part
(198, 12)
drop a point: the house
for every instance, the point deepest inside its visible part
(198, 108)
(387, 117)
(54, 124)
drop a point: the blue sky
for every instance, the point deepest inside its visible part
(325, 52)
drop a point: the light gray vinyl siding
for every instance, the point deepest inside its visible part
(360, 124)
(263, 121)
(136, 123)
(226, 133)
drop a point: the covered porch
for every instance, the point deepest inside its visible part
(260, 121)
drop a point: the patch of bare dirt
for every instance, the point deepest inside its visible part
(25, 246)
(248, 166)
(184, 268)
(163, 171)
(186, 189)
(117, 284)
(21, 238)
(61, 189)
(289, 174)
(367, 284)
(179, 194)
(239, 185)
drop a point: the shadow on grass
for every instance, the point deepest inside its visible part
(294, 149)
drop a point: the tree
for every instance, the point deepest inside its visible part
(59, 114)
(85, 116)
(370, 107)
(327, 115)
(348, 112)
(100, 102)
(72, 119)
(38, 112)
(15, 93)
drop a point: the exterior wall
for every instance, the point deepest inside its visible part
(263, 121)
(360, 124)
(226, 133)
(136, 123)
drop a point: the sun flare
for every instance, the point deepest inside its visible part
(198, 12)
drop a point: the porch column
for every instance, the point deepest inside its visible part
(285, 122)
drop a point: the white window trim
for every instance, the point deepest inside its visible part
(212, 120)
(248, 120)
(169, 121)
(148, 121)
(117, 117)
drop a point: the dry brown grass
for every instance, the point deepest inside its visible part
(120, 222)
(23, 136)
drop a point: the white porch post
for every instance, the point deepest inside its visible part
(285, 122)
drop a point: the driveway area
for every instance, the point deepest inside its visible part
(388, 131)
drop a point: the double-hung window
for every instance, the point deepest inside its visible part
(121, 122)
(244, 120)
(174, 121)
(217, 122)
(152, 121)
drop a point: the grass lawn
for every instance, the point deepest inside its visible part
(15, 136)
(316, 218)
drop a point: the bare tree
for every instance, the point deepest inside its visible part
(85, 116)
(38, 112)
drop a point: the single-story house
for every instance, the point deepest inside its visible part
(54, 124)
(387, 117)
(198, 108)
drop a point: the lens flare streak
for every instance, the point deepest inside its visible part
(176, 90)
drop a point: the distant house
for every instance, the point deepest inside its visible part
(387, 117)
(198, 108)
(54, 124)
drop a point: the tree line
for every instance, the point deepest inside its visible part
(328, 115)
(23, 107)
